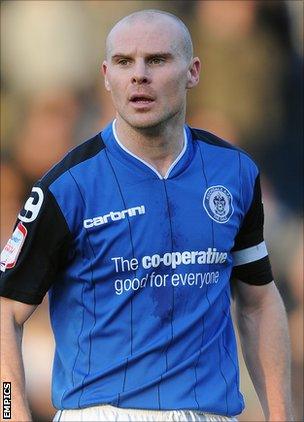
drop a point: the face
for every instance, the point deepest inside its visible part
(148, 73)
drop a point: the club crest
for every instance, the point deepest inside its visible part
(218, 203)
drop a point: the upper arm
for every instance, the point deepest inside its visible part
(250, 256)
(37, 249)
(18, 311)
(249, 298)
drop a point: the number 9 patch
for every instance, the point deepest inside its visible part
(32, 206)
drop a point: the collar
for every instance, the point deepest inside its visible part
(120, 152)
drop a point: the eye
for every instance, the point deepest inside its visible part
(123, 62)
(156, 60)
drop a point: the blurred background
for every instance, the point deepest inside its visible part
(52, 98)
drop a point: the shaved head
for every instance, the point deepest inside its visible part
(149, 68)
(183, 45)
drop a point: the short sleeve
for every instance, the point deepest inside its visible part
(250, 256)
(38, 248)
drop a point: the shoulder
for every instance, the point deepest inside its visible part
(212, 139)
(80, 154)
(209, 138)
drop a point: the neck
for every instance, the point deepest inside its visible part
(159, 146)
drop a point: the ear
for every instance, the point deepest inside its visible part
(193, 73)
(104, 70)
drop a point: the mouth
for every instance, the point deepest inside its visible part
(141, 99)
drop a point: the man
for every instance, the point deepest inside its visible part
(136, 234)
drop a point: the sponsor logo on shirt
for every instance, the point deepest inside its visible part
(172, 260)
(218, 203)
(113, 216)
(12, 249)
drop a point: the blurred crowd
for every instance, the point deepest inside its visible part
(250, 93)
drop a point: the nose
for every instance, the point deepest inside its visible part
(140, 74)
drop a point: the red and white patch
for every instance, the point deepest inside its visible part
(12, 249)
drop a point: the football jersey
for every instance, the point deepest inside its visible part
(138, 267)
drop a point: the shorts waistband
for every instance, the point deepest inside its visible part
(112, 413)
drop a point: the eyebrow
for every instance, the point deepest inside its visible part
(164, 54)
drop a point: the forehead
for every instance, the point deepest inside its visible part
(145, 37)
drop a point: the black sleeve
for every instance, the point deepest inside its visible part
(252, 266)
(37, 249)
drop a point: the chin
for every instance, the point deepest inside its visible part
(148, 120)
(146, 125)
(144, 122)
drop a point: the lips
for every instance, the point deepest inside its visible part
(141, 99)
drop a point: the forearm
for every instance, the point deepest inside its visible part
(12, 368)
(266, 349)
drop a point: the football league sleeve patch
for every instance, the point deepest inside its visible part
(38, 248)
(250, 256)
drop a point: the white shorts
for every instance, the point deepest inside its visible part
(111, 413)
